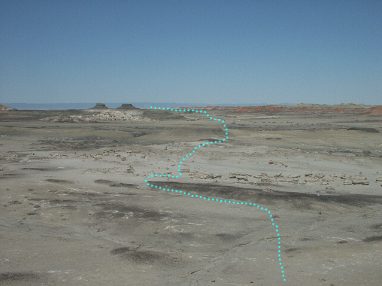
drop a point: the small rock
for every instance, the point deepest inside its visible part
(365, 183)
(342, 241)
(360, 181)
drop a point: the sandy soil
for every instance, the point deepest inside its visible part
(74, 209)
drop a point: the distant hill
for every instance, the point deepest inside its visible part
(100, 106)
(126, 106)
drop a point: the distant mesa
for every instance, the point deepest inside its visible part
(127, 106)
(100, 106)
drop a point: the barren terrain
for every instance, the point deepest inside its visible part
(74, 209)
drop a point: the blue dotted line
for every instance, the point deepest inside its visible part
(179, 174)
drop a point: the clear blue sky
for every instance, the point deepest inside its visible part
(191, 51)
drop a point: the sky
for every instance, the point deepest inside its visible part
(213, 52)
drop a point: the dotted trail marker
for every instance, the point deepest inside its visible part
(179, 174)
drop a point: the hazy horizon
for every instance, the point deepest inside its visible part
(87, 105)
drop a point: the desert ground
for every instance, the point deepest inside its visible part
(75, 210)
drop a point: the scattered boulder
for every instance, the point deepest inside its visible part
(127, 106)
(239, 177)
(100, 106)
